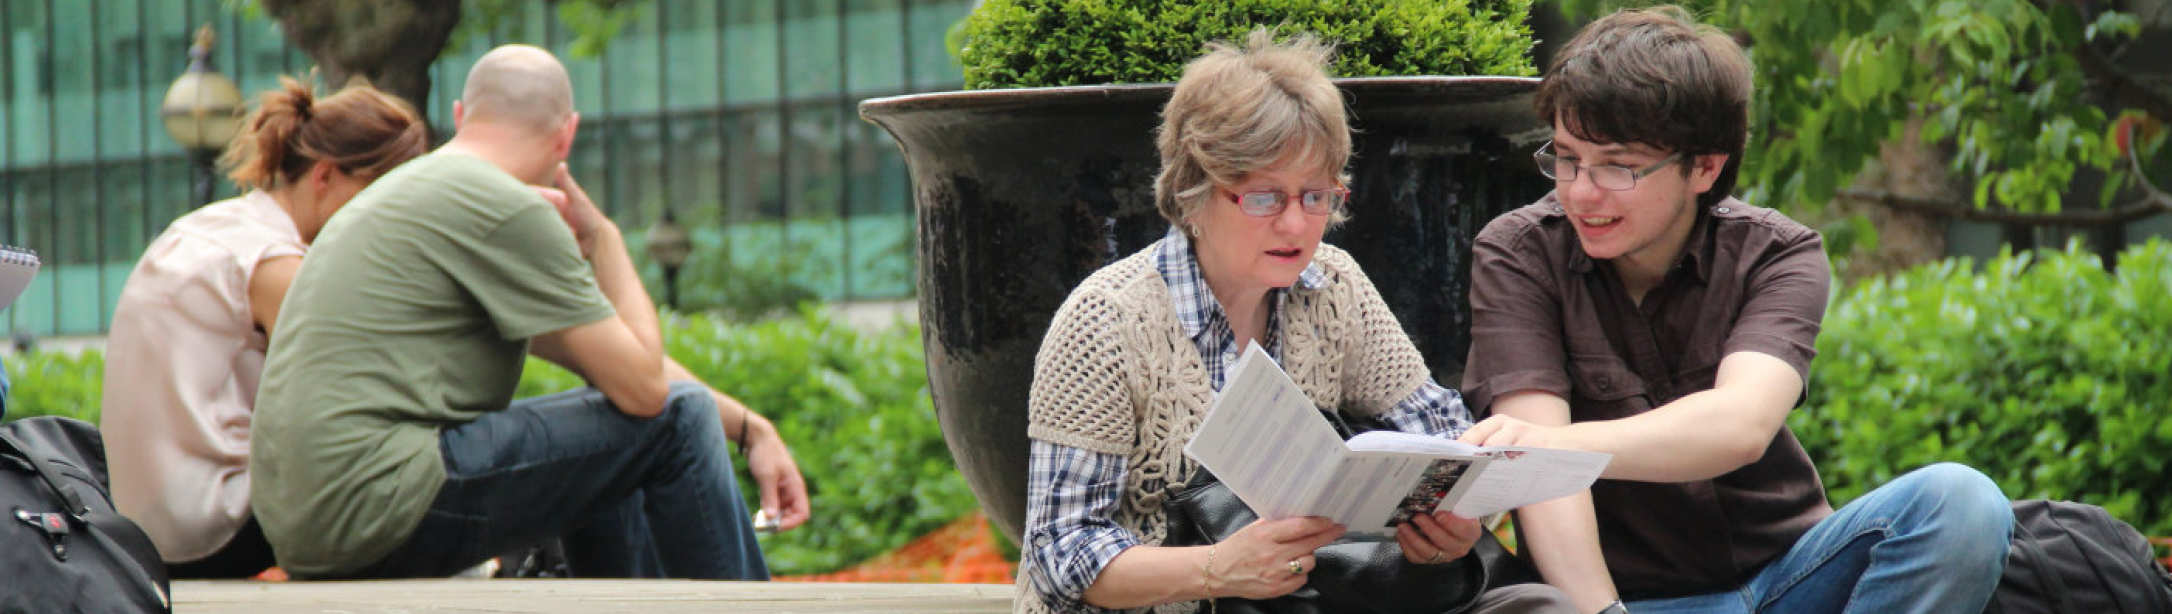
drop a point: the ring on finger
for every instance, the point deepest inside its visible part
(1436, 557)
(1296, 568)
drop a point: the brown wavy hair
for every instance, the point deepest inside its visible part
(360, 130)
(1656, 77)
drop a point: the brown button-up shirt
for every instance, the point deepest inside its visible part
(1545, 316)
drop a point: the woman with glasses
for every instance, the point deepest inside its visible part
(1253, 143)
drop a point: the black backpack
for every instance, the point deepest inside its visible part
(2076, 558)
(64, 548)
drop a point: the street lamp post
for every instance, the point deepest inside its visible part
(668, 246)
(202, 111)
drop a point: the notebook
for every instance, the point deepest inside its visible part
(17, 266)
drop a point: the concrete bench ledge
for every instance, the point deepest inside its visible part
(585, 596)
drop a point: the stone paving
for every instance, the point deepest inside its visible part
(585, 596)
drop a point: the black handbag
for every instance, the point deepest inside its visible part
(1350, 575)
(64, 547)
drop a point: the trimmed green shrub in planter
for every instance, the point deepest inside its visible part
(854, 408)
(2046, 371)
(1034, 43)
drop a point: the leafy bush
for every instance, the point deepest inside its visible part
(1032, 43)
(55, 384)
(854, 408)
(2046, 371)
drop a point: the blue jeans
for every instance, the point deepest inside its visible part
(628, 497)
(1933, 540)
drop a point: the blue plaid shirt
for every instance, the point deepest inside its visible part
(1072, 493)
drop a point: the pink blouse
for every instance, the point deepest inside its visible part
(182, 361)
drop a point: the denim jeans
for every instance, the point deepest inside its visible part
(1933, 540)
(628, 497)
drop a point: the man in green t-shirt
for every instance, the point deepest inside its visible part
(386, 442)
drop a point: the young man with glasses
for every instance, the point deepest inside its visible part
(1639, 310)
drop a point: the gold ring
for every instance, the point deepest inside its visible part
(1435, 558)
(1296, 568)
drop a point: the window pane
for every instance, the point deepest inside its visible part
(750, 51)
(814, 193)
(690, 168)
(690, 57)
(811, 68)
(932, 66)
(874, 40)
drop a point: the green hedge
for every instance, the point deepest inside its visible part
(2045, 370)
(1033, 43)
(854, 408)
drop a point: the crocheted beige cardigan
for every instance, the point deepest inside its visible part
(1116, 374)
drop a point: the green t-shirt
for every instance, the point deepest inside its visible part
(411, 313)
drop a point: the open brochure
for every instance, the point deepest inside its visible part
(1263, 437)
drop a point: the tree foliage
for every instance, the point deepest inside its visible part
(391, 43)
(2027, 95)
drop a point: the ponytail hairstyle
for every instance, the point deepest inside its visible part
(360, 130)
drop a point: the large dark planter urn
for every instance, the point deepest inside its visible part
(1022, 193)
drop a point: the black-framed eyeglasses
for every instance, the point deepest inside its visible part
(1270, 203)
(1609, 176)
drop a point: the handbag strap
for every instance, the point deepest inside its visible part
(37, 462)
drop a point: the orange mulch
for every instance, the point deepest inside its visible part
(2167, 543)
(963, 551)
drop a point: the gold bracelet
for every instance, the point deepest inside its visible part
(1206, 570)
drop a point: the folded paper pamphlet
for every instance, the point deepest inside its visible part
(1263, 437)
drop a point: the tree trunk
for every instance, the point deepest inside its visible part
(1905, 166)
(389, 43)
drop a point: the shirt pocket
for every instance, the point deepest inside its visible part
(1603, 387)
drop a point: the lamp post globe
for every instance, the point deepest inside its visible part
(669, 246)
(202, 110)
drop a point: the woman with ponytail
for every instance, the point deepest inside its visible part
(188, 336)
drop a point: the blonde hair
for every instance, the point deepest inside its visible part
(1236, 111)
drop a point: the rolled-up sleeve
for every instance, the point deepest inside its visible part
(1787, 293)
(1070, 536)
(1516, 339)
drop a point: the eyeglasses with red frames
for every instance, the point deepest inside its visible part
(1270, 203)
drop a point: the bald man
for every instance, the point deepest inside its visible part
(386, 440)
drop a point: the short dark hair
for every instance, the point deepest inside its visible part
(1655, 77)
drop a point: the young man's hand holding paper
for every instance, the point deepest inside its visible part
(1263, 437)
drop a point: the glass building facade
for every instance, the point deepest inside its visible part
(737, 116)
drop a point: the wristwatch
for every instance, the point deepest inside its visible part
(1614, 608)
